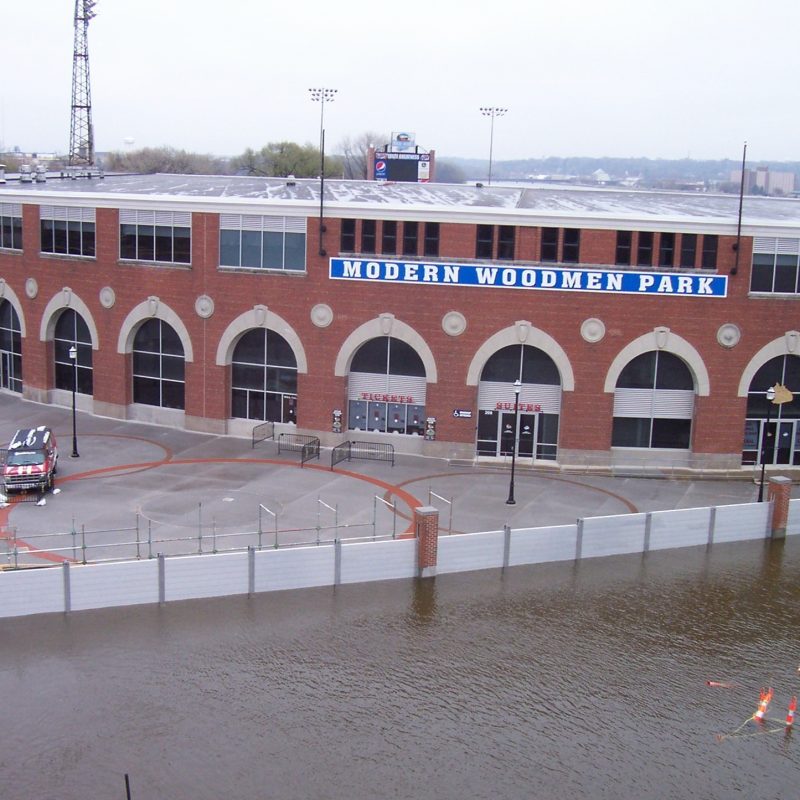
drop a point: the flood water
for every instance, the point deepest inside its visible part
(543, 682)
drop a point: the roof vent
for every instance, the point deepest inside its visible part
(2, 173)
(290, 180)
(25, 175)
(41, 174)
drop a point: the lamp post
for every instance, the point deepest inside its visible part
(73, 355)
(492, 111)
(517, 386)
(770, 399)
(321, 96)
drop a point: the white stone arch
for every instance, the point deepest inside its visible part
(385, 325)
(153, 308)
(259, 317)
(669, 342)
(786, 345)
(7, 293)
(522, 332)
(66, 298)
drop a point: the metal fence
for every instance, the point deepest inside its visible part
(146, 538)
(368, 451)
(266, 430)
(307, 446)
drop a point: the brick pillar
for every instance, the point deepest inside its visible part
(426, 525)
(778, 494)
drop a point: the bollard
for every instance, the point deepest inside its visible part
(778, 494)
(426, 525)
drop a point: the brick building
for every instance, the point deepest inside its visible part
(583, 327)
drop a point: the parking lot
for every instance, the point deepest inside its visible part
(136, 490)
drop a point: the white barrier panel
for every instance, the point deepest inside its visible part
(540, 545)
(469, 551)
(211, 575)
(793, 524)
(295, 568)
(610, 536)
(107, 585)
(31, 591)
(741, 523)
(378, 561)
(686, 527)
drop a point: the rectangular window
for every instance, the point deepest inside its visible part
(158, 236)
(776, 265)
(572, 246)
(666, 250)
(368, 237)
(256, 242)
(624, 247)
(347, 236)
(688, 249)
(410, 235)
(506, 236)
(431, 245)
(389, 238)
(644, 252)
(710, 243)
(484, 241)
(67, 231)
(549, 244)
(11, 226)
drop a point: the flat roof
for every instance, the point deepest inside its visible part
(519, 203)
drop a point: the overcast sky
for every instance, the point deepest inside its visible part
(654, 78)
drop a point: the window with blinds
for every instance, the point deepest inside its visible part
(259, 242)
(67, 231)
(159, 236)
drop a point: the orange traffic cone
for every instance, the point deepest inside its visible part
(790, 713)
(763, 703)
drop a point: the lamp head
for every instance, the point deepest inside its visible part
(73, 354)
(517, 387)
(771, 393)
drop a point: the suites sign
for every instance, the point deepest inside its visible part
(537, 278)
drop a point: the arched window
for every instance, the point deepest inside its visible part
(10, 348)
(264, 377)
(386, 388)
(72, 331)
(654, 403)
(536, 434)
(779, 442)
(158, 366)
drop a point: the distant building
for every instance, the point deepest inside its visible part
(762, 180)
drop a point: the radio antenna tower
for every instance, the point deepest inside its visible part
(81, 133)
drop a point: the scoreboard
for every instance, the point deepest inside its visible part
(408, 167)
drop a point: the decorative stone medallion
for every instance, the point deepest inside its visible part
(204, 306)
(107, 297)
(593, 330)
(322, 315)
(729, 335)
(31, 288)
(454, 323)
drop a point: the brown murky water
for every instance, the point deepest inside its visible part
(545, 682)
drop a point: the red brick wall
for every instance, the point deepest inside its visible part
(586, 415)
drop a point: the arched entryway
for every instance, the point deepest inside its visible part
(536, 432)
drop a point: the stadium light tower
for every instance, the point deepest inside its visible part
(492, 111)
(81, 133)
(322, 96)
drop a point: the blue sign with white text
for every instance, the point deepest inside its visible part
(559, 279)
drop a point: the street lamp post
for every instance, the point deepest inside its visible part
(321, 96)
(517, 386)
(73, 355)
(492, 112)
(770, 399)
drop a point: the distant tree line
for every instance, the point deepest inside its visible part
(348, 160)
